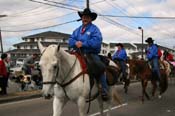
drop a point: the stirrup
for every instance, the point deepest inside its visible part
(104, 96)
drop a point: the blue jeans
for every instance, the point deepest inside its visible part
(155, 67)
(102, 78)
(123, 68)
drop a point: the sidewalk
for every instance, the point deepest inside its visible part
(20, 96)
(15, 95)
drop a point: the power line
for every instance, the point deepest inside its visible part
(62, 4)
(120, 9)
(45, 20)
(56, 25)
(144, 17)
(54, 5)
(118, 24)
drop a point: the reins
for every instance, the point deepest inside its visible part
(62, 84)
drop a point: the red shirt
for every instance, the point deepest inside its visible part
(3, 70)
(159, 53)
(169, 57)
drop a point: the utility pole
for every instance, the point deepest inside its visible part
(1, 16)
(1, 42)
(87, 3)
(142, 40)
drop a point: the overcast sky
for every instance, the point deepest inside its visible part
(25, 17)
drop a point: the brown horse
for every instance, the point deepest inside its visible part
(142, 70)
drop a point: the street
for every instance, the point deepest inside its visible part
(132, 105)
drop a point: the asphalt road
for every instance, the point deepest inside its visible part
(132, 105)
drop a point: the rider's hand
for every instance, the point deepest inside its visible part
(78, 44)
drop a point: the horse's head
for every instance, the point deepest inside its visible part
(133, 68)
(136, 66)
(49, 67)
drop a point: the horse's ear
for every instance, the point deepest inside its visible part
(41, 47)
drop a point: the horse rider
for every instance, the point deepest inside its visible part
(87, 39)
(153, 58)
(120, 56)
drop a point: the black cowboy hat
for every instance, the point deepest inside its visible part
(119, 44)
(87, 11)
(149, 40)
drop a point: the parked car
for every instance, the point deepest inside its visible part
(19, 61)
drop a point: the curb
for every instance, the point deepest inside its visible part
(28, 95)
(18, 97)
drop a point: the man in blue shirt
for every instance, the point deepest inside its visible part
(121, 57)
(152, 56)
(87, 39)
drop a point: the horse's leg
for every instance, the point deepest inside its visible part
(145, 86)
(100, 103)
(58, 105)
(142, 82)
(114, 97)
(81, 105)
(109, 103)
(127, 81)
(154, 87)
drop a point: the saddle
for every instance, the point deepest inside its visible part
(95, 69)
(112, 74)
(161, 63)
(88, 66)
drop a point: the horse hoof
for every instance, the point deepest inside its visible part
(47, 96)
(105, 97)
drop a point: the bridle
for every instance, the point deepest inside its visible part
(63, 84)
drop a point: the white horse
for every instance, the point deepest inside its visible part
(58, 69)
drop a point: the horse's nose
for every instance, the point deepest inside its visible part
(48, 96)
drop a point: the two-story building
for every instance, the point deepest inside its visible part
(30, 46)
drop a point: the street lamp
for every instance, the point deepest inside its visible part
(142, 40)
(1, 16)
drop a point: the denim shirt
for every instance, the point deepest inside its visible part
(152, 52)
(120, 55)
(91, 39)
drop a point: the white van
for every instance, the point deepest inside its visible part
(19, 62)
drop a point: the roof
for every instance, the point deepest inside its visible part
(30, 51)
(47, 34)
(137, 53)
(139, 45)
(35, 43)
(126, 45)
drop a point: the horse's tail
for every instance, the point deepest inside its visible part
(167, 67)
(163, 83)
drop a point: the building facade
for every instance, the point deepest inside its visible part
(30, 46)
